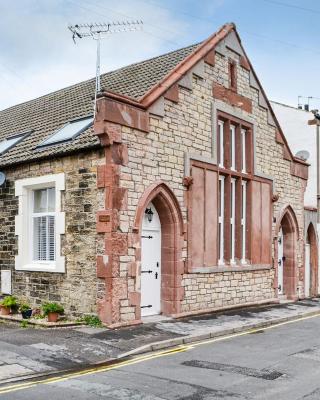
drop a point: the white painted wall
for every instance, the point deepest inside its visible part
(300, 136)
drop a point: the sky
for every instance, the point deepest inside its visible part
(38, 56)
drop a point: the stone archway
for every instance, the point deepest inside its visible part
(172, 266)
(289, 226)
(311, 240)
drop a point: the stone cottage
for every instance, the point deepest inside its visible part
(179, 197)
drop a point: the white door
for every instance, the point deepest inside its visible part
(307, 271)
(280, 262)
(151, 264)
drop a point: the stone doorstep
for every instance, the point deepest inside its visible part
(16, 318)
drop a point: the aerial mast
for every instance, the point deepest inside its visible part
(98, 31)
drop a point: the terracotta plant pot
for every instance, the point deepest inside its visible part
(53, 317)
(4, 310)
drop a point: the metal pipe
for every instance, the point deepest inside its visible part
(98, 86)
(318, 173)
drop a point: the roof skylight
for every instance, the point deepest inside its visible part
(7, 143)
(68, 132)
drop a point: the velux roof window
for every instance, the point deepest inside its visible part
(7, 143)
(68, 132)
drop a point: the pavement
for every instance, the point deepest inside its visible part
(30, 352)
(276, 362)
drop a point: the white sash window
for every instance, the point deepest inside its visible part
(221, 220)
(40, 224)
(232, 220)
(243, 150)
(221, 143)
(43, 224)
(233, 147)
(235, 168)
(243, 220)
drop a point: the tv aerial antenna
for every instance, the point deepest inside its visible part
(98, 31)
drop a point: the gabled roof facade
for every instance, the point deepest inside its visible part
(141, 84)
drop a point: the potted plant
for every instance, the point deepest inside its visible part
(7, 304)
(26, 310)
(52, 311)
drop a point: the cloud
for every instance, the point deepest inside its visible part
(39, 56)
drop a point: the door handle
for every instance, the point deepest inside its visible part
(156, 275)
(279, 262)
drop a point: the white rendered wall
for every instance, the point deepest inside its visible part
(300, 136)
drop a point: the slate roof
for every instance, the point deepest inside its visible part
(46, 114)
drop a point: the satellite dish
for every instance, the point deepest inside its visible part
(2, 178)
(303, 154)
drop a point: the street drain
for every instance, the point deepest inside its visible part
(262, 374)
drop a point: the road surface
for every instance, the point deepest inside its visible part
(281, 362)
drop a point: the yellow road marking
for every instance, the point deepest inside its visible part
(233, 335)
(142, 358)
(91, 371)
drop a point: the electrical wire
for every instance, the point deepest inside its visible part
(209, 20)
(280, 3)
(126, 16)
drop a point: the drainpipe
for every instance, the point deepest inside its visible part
(318, 172)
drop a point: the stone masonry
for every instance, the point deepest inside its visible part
(78, 288)
(159, 155)
(145, 156)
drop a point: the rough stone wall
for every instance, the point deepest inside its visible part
(226, 289)
(159, 155)
(78, 288)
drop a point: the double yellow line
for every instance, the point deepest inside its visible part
(139, 359)
(90, 371)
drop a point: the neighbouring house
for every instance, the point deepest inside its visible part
(302, 139)
(174, 201)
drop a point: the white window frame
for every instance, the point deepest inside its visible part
(233, 147)
(221, 143)
(243, 152)
(24, 191)
(233, 221)
(244, 222)
(221, 221)
(37, 215)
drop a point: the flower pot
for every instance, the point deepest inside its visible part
(53, 317)
(26, 314)
(4, 310)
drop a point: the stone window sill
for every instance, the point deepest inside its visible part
(42, 267)
(228, 268)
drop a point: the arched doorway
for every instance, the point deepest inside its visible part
(165, 207)
(286, 254)
(311, 263)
